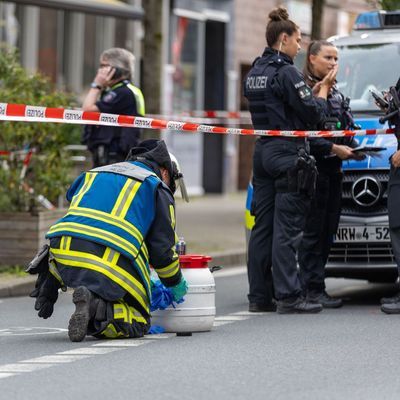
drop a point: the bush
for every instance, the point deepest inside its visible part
(49, 170)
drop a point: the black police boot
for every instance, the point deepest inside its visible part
(391, 308)
(78, 323)
(262, 307)
(390, 300)
(298, 305)
(325, 300)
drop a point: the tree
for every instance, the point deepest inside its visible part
(388, 5)
(152, 50)
(317, 13)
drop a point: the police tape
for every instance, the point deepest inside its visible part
(27, 113)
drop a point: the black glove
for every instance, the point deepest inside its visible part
(46, 293)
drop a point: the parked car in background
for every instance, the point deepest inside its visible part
(369, 60)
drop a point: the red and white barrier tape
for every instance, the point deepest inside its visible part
(20, 112)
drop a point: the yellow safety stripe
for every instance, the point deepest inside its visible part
(95, 232)
(139, 99)
(145, 251)
(249, 220)
(172, 214)
(169, 270)
(89, 179)
(115, 273)
(125, 198)
(144, 269)
(54, 271)
(108, 218)
(111, 333)
(127, 313)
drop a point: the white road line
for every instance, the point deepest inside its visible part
(20, 367)
(220, 323)
(122, 343)
(87, 351)
(56, 358)
(251, 314)
(158, 336)
(6, 375)
(231, 317)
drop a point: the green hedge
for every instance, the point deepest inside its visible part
(49, 170)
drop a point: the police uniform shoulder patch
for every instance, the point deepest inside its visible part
(304, 92)
(109, 97)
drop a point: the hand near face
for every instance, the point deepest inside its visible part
(395, 160)
(104, 76)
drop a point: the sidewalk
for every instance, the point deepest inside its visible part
(211, 225)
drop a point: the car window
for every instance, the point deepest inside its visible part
(365, 68)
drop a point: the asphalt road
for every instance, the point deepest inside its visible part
(349, 353)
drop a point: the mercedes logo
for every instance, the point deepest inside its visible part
(366, 191)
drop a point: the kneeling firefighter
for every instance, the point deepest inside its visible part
(121, 219)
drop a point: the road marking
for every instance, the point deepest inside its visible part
(220, 323)
(87, 351)
(56, 358)
(21, 367)
(122, 343)
(231, 317)
(99, 348)
(29, 331)
(252, 314)
(6, 374)
(158, 336)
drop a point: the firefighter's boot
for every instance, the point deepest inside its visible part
(78, 323)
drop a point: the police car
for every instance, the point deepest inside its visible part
(369, 60)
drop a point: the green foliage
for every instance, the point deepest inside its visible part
(49, 170)
(388, 5)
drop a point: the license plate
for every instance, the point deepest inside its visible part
(362, 234)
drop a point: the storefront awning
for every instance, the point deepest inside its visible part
(109, 8)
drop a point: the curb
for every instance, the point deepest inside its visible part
(22, 286)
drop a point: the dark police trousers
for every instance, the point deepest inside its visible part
(279, 222)
(321, 224)
(394, 212)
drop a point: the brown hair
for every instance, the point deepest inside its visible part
(313, 49)
(279, 22)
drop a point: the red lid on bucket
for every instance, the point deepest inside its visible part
(194, 261)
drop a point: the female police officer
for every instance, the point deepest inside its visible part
(283, 173)
(323, 219)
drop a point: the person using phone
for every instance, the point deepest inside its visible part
(112, 92)
(323, 218)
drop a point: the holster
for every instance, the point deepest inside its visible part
(301, 178)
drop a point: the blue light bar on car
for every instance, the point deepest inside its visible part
(368, 20)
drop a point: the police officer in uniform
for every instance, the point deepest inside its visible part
(283, 172)
(121, 219)
(113, 92)
(391, 305)
(323, 218)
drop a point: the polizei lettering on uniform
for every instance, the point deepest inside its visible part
(257, 82)
(35, 112)
(109, 118)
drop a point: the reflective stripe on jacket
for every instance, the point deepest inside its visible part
(114, 210)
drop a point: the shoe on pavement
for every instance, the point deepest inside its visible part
(324, 299)
(389, 300)
(298, 306)
(391, 308)
(262, 307)
(79, 320)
